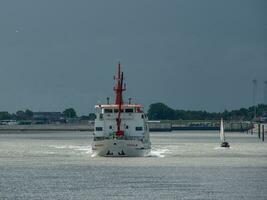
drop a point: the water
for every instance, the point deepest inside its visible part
(182, 165)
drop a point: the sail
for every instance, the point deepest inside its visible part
(222, 136)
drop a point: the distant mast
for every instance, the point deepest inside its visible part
(119, 89)
(222, 136)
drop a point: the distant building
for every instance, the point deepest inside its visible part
(75, 120)
(48, 117)
(263, 118)
(8, 122)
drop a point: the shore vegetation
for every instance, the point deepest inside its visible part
(160, 111)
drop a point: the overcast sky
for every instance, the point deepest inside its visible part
(188, 54)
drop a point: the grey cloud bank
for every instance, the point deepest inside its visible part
(187, 54)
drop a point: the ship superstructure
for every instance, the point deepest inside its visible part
(121, 129)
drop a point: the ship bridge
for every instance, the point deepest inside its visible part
(125, 108)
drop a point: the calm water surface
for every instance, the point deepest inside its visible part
(182, 165)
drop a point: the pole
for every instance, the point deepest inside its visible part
(259, 131)
(255, 83)
(263, 132)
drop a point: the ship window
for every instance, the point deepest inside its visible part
(117, 110)
(127, 127)
(128, 110)
(110, 127)
(99, 128)
(108, 111)
(142, 116)
(139, 128)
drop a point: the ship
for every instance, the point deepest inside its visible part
(121, 129)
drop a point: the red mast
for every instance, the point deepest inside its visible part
(119, 88)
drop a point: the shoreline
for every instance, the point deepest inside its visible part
(47, 127)
(154, 127)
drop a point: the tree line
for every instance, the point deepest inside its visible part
(160, 111)
(28, 115)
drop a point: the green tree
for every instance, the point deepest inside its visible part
(5, 115)
(28, 114)
(160, 111)
(91, 116)
(69, 113)
(20, 115)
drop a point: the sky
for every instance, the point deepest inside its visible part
(188, 54)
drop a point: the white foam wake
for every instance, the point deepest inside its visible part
(159, 152)
(78, 148)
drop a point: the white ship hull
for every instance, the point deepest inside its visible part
(121, 148)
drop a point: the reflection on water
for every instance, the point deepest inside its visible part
(222, 148)
(155, 151)
(182, 165)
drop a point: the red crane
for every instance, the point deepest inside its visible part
(119, 89)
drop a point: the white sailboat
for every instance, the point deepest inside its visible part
(222, 136)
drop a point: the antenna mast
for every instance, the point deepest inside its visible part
(119, 89)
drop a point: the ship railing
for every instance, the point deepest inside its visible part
(139, 138)
(111, 116)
